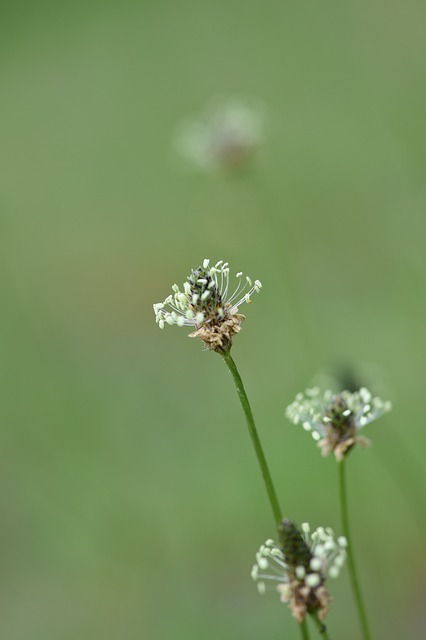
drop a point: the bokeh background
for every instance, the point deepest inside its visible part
(131, 505)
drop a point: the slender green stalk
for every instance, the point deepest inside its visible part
(282, 241)
(276, 510)
(320, 626)
(407, 474)
(304, 630)
(273, 500)
(351, 560)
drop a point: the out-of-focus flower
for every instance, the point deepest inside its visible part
(206, 304)
(225, 136)
(335, 419)
(298, 567)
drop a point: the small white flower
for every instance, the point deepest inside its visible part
(225, 135)
(298, 568)
(335, 419)
(207, 304)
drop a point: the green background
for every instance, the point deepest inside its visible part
(131, 505)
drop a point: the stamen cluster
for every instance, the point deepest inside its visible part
(335, 419)
(205, 304)
(224, 136)
(299, 566)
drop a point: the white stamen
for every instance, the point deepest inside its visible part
(312, 580)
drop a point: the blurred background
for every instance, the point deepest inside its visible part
(131, 504)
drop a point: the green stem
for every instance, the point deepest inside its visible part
(408, 476)
(320, 626)
(276, 510)
(351, 560)
(304, 630)
(282, 240)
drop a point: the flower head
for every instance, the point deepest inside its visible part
(299, 566)
(335, 419)
(206, 304)
(225, 136)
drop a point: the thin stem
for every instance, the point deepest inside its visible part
(304, 630)
(320, 626)
(282, 241)
(408, 476)
(276, 510)
(351, 560)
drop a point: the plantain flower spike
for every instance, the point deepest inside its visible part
(206, 304)
(335, 419)
(298, 567)
(225, 136)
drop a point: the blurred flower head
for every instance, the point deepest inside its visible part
(225, 136)
(206, 304)
(298, 567)
(335, 419)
